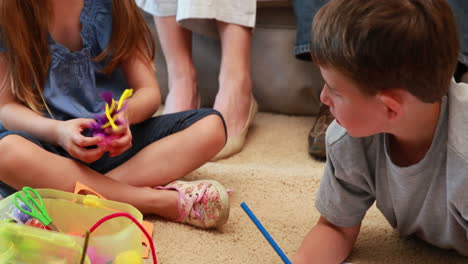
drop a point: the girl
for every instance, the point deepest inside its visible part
(55, 58)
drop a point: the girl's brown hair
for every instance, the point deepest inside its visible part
(24, 31)
(384, 44)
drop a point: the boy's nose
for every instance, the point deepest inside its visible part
(324, 96)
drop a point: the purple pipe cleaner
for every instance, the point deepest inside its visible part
(96, 128)
(20, 216)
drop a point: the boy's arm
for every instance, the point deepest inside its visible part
(146, 98)
(327, 243)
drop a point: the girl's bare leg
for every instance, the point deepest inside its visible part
(174, 156)
(27, 164)
(176, 43)
(235, 85)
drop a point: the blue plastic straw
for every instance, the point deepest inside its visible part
(265, 233)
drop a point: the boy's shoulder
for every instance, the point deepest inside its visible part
(458, 118)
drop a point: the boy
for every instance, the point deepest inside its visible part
(400, 136)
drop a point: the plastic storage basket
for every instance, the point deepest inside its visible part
(73, 215)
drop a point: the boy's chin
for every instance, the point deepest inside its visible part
(353, 132)
(356, 134)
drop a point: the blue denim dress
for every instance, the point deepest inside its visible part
(74, 82)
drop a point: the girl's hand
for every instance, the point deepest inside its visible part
(123, 136)
(69, 137)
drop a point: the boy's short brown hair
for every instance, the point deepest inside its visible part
(383, 44)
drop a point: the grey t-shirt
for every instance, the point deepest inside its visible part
(428, 199)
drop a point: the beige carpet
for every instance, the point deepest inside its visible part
(276, 178)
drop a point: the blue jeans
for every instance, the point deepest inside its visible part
(460, 9)
(305, 11)
(143, 134)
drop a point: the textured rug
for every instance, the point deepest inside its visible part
(278, 180)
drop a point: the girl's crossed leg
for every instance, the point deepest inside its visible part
(132, 181)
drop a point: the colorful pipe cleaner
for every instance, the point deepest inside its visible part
(109, 117)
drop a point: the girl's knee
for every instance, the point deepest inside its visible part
(14, 146)
(215, 129)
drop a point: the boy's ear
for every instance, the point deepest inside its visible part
(393, 103)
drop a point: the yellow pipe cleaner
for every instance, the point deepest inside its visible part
(125, 95)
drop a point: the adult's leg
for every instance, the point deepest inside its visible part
(27, 164)
(460, 10)
(305, 11)
(235, 84)
(176, 43)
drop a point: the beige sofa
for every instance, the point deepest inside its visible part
(282, 84)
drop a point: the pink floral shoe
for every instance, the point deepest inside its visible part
(204, 204)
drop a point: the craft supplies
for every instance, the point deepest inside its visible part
(21, 243)
(35, 209)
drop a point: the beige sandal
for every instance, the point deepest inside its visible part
(236, 143)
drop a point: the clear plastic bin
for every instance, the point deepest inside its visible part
(72, 214)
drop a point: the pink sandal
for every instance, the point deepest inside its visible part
(203, 204)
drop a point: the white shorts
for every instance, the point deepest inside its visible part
(200, 15)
